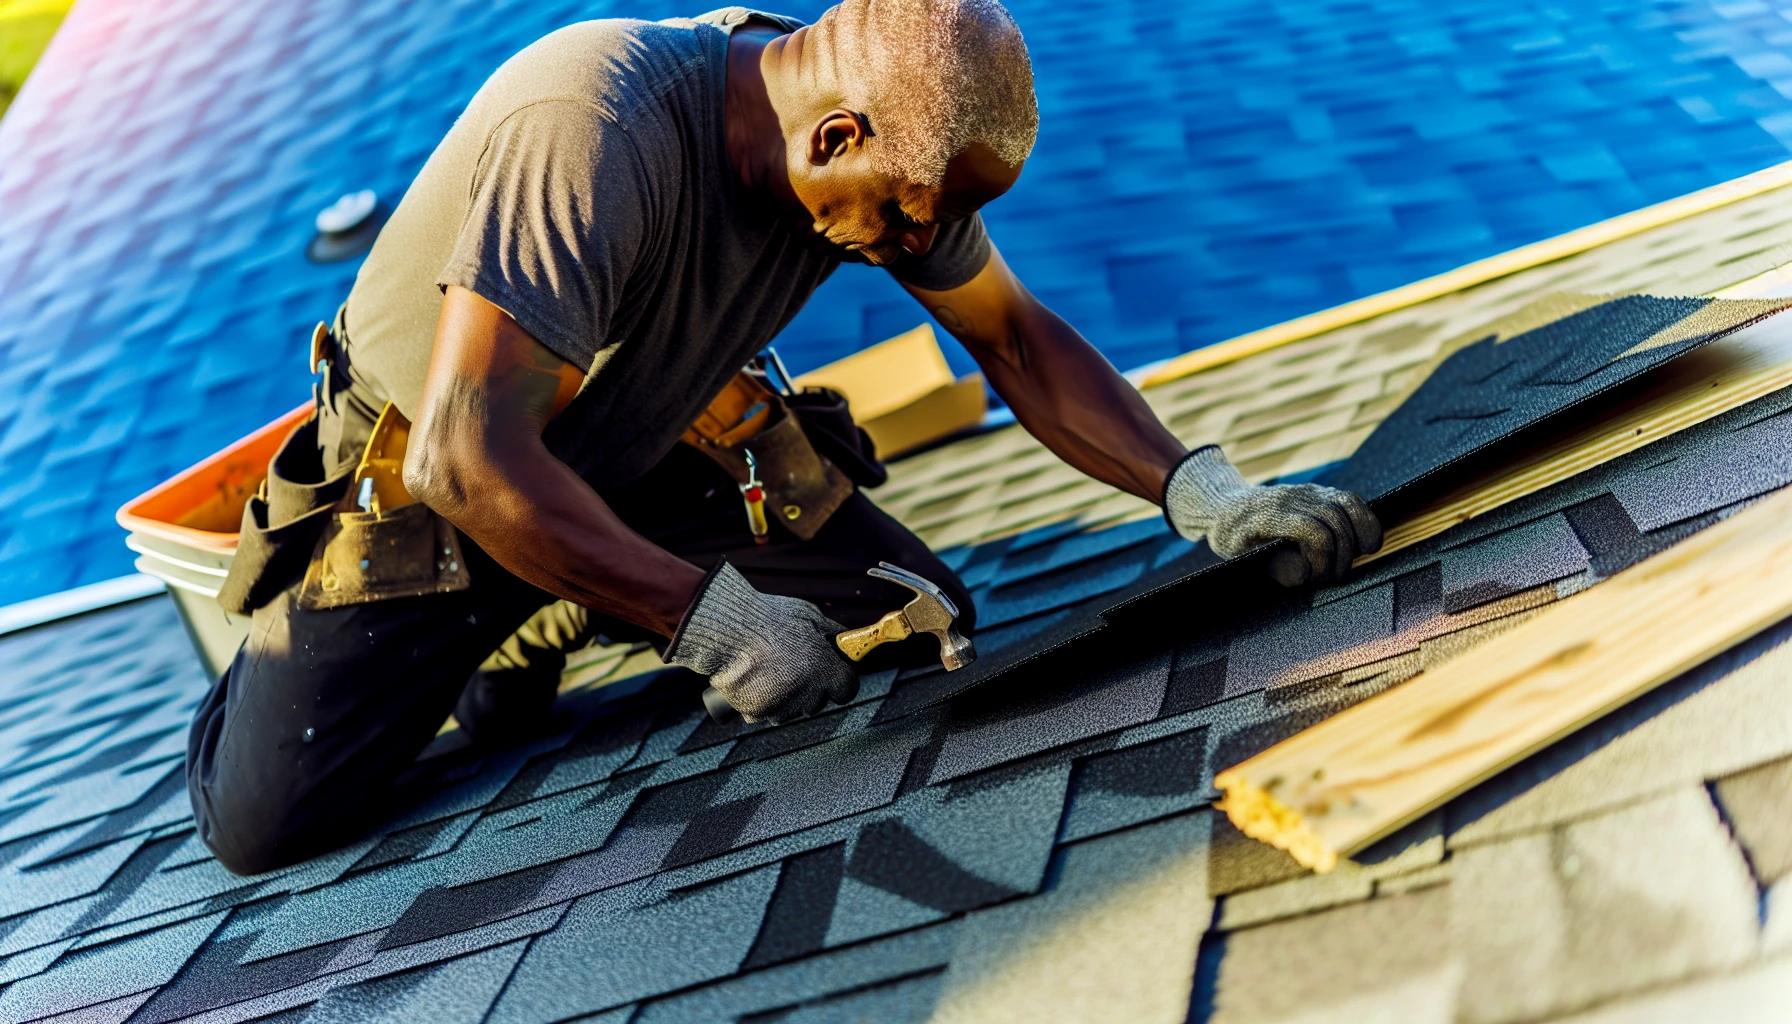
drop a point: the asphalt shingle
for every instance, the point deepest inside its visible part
(1757, 803)
(606, 953)
(1640, 897)
(459, 991)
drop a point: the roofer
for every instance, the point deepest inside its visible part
(626, 213)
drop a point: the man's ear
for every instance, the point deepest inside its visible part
(837, 133)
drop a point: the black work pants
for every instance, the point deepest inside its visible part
(295, 749)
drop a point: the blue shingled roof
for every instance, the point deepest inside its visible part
(1203, 169)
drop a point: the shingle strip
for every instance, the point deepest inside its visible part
(1722, 376)
(1486, 393)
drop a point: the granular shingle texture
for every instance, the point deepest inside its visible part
(1027, 844)
(1493, 389)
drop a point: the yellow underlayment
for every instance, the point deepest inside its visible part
(1481, 271)
(26, 27)
(1356, 777)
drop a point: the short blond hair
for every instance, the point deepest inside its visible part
(932, 76)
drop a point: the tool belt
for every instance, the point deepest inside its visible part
(382, 543)
(358, 536)
(351, 537)
(802, 487)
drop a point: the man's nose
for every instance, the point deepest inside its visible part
(918, 240)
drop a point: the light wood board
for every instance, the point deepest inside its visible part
(1333, 789)
(1707, 382)
(947, 409)
(887, 376)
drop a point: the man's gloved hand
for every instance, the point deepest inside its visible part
(773, 657)
(1206, 496)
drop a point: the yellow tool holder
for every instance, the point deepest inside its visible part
(383, 464)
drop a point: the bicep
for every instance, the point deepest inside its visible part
(483, 358)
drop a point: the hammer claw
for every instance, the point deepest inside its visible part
(918, 584)
(931, 612)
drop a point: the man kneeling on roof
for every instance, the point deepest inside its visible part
(626, 213)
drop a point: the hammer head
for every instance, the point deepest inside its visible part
(931, 611)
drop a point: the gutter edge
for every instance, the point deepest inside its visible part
(77, 601)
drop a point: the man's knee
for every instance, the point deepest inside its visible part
(246, 786)
(248, 832)
(240, 858)
(248, 837)
(252, 830)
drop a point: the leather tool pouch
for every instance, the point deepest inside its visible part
(282, 522)
(802, 487)
(829, 425)
(396, 547)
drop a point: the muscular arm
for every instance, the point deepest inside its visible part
(1060, 388)
(476, 457)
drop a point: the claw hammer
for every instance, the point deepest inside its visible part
(931, 611)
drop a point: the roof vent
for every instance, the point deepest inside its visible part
(346, 228)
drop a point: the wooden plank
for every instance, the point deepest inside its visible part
(947, 409)
(1478, 272)
(1728, 373)
(1333, 789)
(887, 376)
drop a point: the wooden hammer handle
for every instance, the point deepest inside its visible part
(856, 643)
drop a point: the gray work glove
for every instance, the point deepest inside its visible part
(772, 657)
(1206, 496)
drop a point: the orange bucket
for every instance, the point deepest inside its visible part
(184, 532)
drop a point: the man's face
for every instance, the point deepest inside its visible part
(875, 215)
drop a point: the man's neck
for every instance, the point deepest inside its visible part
(752, 134)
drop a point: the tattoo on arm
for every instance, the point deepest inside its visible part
(949, 318)
(526, 388)
(1011, 348)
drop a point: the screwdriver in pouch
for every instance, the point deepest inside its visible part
(753, 493)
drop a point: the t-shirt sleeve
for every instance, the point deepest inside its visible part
(555, 221)
(960, 251)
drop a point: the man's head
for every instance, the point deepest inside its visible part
(902, 115)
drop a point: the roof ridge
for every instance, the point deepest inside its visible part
(1467, 276)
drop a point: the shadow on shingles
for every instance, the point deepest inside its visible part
(593, 720)
(1207, 976)
(1519, 779)
(1236, 862)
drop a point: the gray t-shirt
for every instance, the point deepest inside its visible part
(586, 192)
